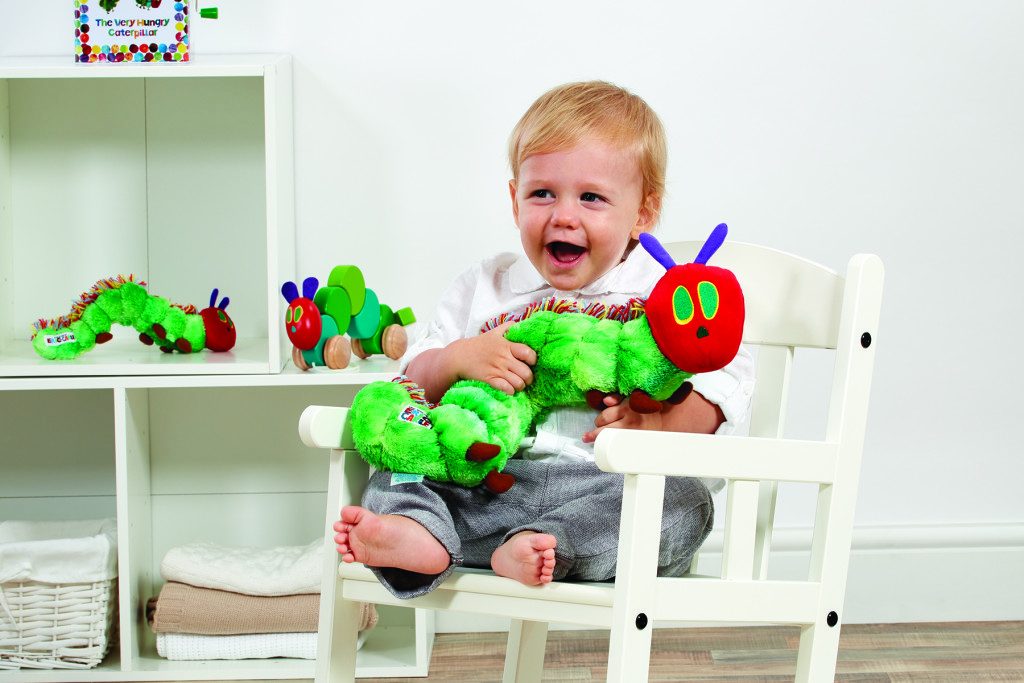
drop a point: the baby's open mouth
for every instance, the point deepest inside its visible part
(563, 252)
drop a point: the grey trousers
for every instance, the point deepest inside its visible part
(577, 503)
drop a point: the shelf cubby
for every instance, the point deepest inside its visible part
(179, 174)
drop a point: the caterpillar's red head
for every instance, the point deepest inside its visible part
(302, 320)
(695, 311)
(220, 331)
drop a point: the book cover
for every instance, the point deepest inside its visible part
(128, 31)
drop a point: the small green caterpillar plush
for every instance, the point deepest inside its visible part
(172, 327)
(691, 323)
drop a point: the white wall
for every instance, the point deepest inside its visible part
(826, 129)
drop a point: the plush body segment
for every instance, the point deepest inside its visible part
(576, 354)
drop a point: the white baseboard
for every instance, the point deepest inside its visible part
(959, 572)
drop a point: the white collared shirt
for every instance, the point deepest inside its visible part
(508, 283)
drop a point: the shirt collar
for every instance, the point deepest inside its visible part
(634, 275)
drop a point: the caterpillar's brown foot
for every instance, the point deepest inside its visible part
(184, 345)
(159, 331)
(498, 482)
(595, 398)
(641, 402)
(480, 451)
(145, 339)
(680, 394)
(103, 337)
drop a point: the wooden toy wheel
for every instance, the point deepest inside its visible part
(357, 348)
(337, 353)
(297, 358)
(394, 341)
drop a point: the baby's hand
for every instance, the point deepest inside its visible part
(618, 414)
(491, 358)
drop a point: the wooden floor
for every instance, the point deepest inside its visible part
(884, 653)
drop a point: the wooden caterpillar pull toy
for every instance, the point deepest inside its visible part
(317, 321)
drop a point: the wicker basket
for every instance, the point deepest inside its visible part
(48, 624)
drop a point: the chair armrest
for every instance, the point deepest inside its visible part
(325, 427)
(704, 455)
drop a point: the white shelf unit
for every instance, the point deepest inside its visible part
(182, 175)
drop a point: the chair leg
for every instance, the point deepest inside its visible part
(629, 647)
(524, 656)
(336, 644)
(819, 648)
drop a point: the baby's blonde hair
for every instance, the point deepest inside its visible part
(566, 115)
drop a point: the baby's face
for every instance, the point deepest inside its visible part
(577, 210)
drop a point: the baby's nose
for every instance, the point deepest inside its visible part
(565, 215)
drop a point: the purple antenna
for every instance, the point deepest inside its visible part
(714, 241)
(213, 297)
(289, 291)
(309, 286)
(224, 303)
(654, 248)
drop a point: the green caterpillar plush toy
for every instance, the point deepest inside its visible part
(692, 322)
(172, 327)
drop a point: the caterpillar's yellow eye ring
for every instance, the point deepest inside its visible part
(682, 305)
(708, 294)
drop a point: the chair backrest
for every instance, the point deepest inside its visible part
(790, 303)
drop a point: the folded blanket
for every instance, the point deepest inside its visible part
(254, 571)
(181, 608)
(184, 646)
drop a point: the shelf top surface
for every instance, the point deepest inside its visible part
(64, 66)
(358, 373)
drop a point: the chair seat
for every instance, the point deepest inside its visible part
(480, 591)
(701, 598)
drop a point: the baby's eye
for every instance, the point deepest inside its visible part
(542, 194)
(591, 197)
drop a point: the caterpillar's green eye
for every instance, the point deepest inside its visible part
(708, 294)
(682, 306)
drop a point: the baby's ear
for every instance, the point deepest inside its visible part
(512, 187)
(648, 215)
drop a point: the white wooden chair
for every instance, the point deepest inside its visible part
(790, 303)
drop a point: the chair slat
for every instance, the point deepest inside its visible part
(703, 455)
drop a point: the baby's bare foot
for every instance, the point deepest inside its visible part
(528, 557)
(388, 541)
